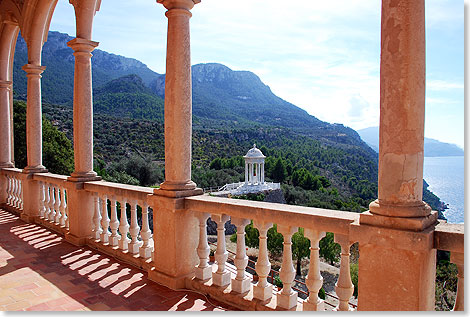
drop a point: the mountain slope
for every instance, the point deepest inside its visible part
(57, 79)
(128, 97)
(432, 147)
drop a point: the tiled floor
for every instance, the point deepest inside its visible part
(40, 271)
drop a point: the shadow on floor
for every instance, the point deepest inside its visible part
(39, 270)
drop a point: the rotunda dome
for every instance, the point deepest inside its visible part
(254, 153)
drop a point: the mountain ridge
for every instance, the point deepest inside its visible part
(432, 147)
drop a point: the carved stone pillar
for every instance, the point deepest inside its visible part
(398, 228)
(34, 119)
(5, 138)
(178, 97)
(83, 110)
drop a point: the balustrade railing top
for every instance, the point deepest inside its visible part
(307, 217)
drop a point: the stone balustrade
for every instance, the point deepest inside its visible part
(13, 189)
(53, 209)
(260, 296)
(125, 232)
(121, 221)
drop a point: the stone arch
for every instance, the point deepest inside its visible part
(37, 18)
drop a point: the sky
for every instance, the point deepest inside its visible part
(322, 56)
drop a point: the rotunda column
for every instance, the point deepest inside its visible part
(34, 118)
(178, 97)
(5, 138)
(246, 173)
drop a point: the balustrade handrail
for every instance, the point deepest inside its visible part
(139, 193)
(306, 217)
(13, 171)
(449, 237)
(50, 178)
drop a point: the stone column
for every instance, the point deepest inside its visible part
(80, 202)
(246, 173)
(34, 119)
(175, 228)
(83, 110)
(178, 97)
(395, 236)
(5, 138)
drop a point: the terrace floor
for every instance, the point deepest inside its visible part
(39, 270)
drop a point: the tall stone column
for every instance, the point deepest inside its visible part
(5, 138)
(79, 201)
(34, 118)
(83, 110)
(178, 97)
(175, 228)
(395, 236)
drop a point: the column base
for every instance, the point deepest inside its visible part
(83, 177)
(287, 301)
(176, 186)
(407, 223)
(7, 165)
(411, 210)
(35, 169)
(177, 193)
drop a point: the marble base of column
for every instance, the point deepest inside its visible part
(163, 191)
(7, 165)
(83, 177)
(177, 186)
(35, 169)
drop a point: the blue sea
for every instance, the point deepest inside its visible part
(445, 176)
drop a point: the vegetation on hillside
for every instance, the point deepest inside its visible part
(57, 149)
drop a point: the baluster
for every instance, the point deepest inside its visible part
(124, 226)
(145, 250)
(104, 237)
(46, 201)
(8, 190)
(14, 189)
(114, 224)
(21, 194)
(344, 286)
(42, 208)
(17, 193)
(96, 218)
(458, 259)
(134, 229)
(221, 277)
(263, 290)
(314, 280)
(52, 203)
(203, 270)
(241, 283)
(63, 208)
(288, 297)
(57, 205)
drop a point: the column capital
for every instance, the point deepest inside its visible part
(178, 4)
(82, 45)
(33, 70)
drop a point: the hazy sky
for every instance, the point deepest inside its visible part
(323, 56)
